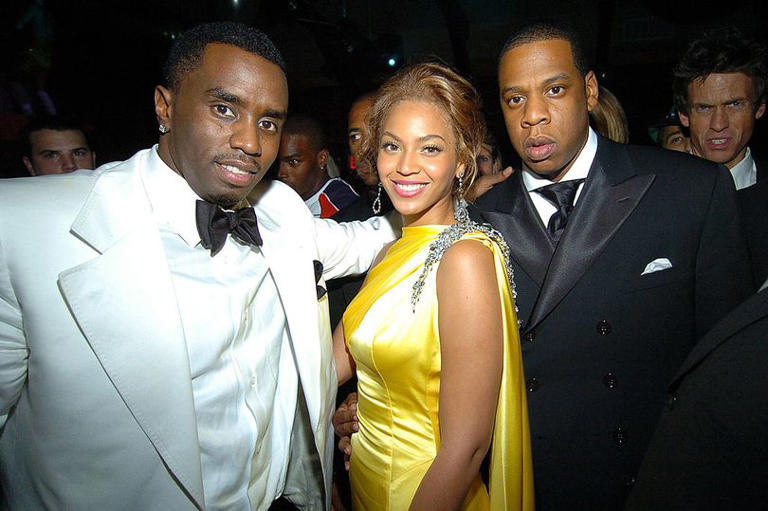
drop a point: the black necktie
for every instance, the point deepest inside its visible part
(561, 195)
(213, 225)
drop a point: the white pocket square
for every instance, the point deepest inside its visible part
(657, 265)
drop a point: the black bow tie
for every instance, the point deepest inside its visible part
(213, 225)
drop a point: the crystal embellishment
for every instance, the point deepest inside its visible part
(446, 239)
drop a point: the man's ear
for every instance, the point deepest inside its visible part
(760, 111)
(684, 120)
(322, 158)
(93, 159)
(163, 105)
(592, 89)
(28, 164)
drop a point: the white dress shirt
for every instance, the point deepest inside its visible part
(243, 377)
(745, 172)
(578, 170)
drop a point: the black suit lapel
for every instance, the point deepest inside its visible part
(611, 192)
(514, 215)
(752, 310)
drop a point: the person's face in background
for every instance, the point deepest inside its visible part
(673, 138)
(301, 164)
(721, 116)
(58, 152)
(224, 122)
(417, 162)
(546, 103)
(355, 123)
(486, 165)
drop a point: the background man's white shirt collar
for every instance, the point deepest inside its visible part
(745, 172)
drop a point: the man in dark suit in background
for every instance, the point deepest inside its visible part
(719, 90)
(710, 450)
(623, 257)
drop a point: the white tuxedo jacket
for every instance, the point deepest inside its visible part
(96, 403)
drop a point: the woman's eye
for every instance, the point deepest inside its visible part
(389, 146)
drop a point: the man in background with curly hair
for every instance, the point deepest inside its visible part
(719, 90)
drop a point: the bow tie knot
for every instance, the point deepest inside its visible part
(214, 224)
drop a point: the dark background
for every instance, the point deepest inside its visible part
(99, 59)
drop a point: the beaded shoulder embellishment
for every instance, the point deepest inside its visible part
(450, 236)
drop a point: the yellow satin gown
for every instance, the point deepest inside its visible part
(397, 353)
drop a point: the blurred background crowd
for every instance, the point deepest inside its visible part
(95, 63)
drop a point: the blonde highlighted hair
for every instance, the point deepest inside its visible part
(438, 84)
(608, 117)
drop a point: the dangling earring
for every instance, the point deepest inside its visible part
(163, 129)
(377, 201)
(460, 212)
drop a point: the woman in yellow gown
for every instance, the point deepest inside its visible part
(433, 333)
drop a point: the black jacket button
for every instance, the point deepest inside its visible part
(610, 381)
(532, 384)
(620, 436)
(604, 327)
(529, 336)
(671, 400)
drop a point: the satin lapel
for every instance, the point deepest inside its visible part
(516, 218)
(754, 309)
(607, 200)
(124, 302)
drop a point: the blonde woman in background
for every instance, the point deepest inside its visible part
(608, 117)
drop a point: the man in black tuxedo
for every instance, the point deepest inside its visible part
(720, 93)
(623, 257)
(710, 450)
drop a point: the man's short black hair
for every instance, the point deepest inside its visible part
(723, 50)
(547, 31)
(300, 124)
(186, 53)
(49, 122)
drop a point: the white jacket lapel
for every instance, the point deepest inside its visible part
(289, 256)
(292, 270)
(124, 303)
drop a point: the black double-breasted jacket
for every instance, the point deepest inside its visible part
(602, 334)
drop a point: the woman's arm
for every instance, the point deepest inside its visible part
(344, 363)
(471, 345)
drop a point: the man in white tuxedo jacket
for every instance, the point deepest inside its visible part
(138, 370)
